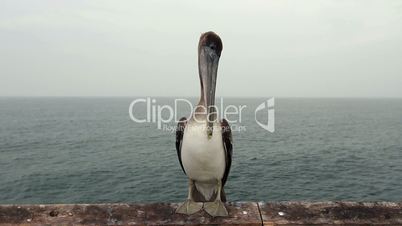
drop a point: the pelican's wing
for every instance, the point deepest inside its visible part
(179, 138)
(227, 145)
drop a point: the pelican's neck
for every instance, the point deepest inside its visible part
(201, 102)
(200, 110)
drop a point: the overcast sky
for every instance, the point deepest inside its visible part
(140, 48)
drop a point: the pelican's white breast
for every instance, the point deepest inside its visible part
(203, 159)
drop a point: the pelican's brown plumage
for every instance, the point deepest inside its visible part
(203, 143)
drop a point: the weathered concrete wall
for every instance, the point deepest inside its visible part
(331, 213)
(241, 213)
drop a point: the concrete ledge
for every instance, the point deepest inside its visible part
(123, 214)
(331, 213)
(241, 213)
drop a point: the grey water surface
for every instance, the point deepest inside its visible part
(88, 150)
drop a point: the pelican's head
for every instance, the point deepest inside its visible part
(209, 52)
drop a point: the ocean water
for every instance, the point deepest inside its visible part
(88, 150)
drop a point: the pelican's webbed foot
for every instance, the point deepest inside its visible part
(189, 207)
(216, 208)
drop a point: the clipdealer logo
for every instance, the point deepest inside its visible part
(163, 115)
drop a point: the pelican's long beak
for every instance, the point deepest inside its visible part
(208, 66)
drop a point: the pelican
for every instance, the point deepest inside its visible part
(204, 143)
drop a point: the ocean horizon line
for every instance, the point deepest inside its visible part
(230, 97)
